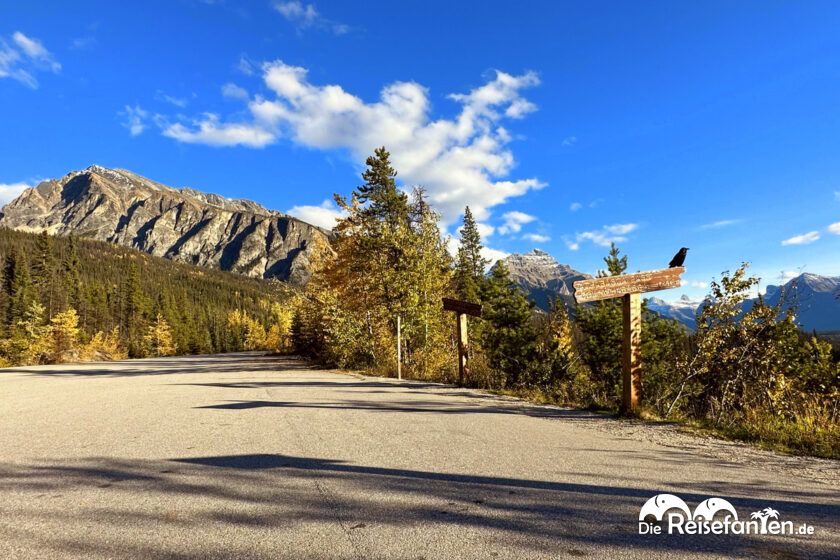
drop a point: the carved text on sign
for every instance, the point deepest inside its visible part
(617, 286)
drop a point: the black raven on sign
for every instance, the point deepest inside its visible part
(679, 258)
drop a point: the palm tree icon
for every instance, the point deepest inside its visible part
(764, 515)
(770, 512)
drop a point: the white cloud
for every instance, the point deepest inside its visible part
(172, 100)
(485, 230)
(575, 206)
(615, 233)
(23, 58)
(324, 215)
(233, 91)
(720, 224)
(306, 16)
(34, 49)
(83, 43)
(699, 284)
(834, 228)
(536, 237)
(803, 239)
(10, 191)
(214, 133)
(514, 221)
(569, 141)
(789, 275)
(135, 119)
(246, 66)
(461, 161)
(493, 255)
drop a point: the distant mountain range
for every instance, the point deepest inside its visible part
(118, 206)
(816, 297)
(684, 310)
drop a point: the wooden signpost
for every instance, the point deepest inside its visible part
(629, 287)
(462, 309)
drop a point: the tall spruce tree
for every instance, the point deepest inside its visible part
(470, 265)
(19, 288)
(509, 338)
(44, 270)
(616, 265)
(385, 203)
(602, 335)
(72, 278)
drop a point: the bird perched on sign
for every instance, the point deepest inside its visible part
(679, 258)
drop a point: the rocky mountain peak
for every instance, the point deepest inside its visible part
(120, 206)
(542, 277)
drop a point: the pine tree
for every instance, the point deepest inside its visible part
(470, 265)
(509, 338)
(130, 309)
(72, 278)
(18, 287)
(385, 203)
(602, 336)
(615, 265)
(44, 269)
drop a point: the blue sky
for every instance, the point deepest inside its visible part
(564, 125)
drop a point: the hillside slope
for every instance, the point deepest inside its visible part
(112, 286)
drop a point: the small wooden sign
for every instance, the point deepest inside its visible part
(618, 286)
(460, 307)
(629, 287)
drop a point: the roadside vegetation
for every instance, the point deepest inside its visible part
(67, 299)
(750, 375)
(754, 375)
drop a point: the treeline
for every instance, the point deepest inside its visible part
(67, 299)
(756, 377)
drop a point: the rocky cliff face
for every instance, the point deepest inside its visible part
(185, 225)
(543, 278)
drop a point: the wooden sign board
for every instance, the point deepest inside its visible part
(618, 286)
(462, 307)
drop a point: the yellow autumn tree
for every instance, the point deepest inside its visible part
(64, 329)
(31, 341)
(104, 346)
(158, 340)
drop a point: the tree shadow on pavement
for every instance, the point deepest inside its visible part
(285, 494)
(240, 362)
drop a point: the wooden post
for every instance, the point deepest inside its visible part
(462, 309)
(629, 287)
(399, 349)
(463, 349)
(631, 362)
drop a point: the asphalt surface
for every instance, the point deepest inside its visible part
(242, 456)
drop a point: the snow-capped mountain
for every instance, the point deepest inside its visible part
(683, 310)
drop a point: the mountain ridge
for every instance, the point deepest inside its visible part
(185, 225)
